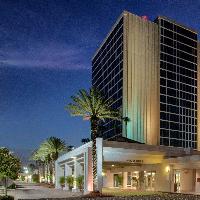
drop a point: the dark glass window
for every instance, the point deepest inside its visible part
(178, 81)
(168, 25)
(107, 74)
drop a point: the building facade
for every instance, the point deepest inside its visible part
(151, 72)
(149, 69)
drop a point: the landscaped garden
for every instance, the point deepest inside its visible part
(132, 195)
(126, 192)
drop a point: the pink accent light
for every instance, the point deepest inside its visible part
(86, 118)
(90, 174)
(145, 17)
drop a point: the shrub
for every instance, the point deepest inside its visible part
(135, 181)
(120, 180)
(35, 178)
(13, 186)
(6, 197)
(22, 178)
(70, 181)
(80, 182)
(62, 181)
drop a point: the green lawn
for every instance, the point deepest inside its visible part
(126, 192)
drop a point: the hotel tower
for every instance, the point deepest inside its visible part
(150, 71)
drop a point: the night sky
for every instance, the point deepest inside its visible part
(46, 48)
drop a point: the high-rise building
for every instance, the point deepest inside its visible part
(149, 70)
(107, 74)
(178, 84)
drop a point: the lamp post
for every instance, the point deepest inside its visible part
(26, 172)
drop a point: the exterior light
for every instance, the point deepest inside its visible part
(103, 174)
(113, 165)
(42, 179)
(167, 169)
(25, 170)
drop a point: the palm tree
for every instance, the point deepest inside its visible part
(52, 147)
(48, 153)
(94, 107)
(70, 148)
(85, 140)
(41, 159)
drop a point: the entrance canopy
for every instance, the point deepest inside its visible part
(123, 157)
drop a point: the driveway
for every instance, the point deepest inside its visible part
(34, 191)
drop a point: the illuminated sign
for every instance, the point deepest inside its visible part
(135, 161)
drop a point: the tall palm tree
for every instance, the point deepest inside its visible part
(52, 147)
(85, 140)
(48, 153)
(94, 107)
(41, 159)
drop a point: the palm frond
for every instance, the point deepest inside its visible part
(75, 110)
(92, 104)
(52, 147)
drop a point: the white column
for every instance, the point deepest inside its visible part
(108, 179)
(77, 172)
(124, 179)
(68, 172)
(58, 173)
(171, 179)
(88, 176)
(99, 146)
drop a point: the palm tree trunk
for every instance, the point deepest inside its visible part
(6, 186)
(38, 168)
(47, 172)
(43, 170)
(51, 172)
(94, 129)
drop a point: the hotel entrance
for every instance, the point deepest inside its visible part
(132, 180)
(149, 181)
(177, 181)
(116, 180)
(141, 180)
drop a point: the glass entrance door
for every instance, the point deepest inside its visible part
(137, 180)
(132, 179)
(177, 181)
(149, 180)
(116, 182)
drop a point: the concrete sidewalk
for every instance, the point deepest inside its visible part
(34, 191)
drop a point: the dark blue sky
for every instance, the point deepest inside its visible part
(46, 48)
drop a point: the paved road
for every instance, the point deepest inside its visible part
(33, 191)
